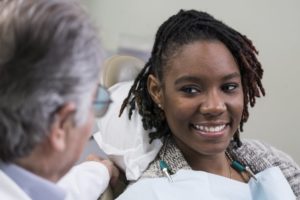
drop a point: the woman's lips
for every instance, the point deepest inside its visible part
(210, 130)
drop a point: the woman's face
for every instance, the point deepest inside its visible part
(202, 97)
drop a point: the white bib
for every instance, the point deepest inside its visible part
(189, 184)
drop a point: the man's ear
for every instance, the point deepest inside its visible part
(155, 90)
(61, 125)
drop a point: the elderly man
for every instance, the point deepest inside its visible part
(49, 65)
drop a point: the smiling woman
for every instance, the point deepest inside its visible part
(203, 108)
(195, 91)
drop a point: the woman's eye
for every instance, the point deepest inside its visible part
(190, 90)
(229, 87)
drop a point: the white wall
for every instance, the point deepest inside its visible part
(273, 26)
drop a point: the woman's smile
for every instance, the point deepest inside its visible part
(210, 130)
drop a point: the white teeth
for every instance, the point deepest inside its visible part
(210, 128)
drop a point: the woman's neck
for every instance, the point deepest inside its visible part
(212, 163)
(215, 164)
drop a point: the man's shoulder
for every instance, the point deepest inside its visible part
(9, 190)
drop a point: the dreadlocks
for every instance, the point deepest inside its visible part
(183, 28)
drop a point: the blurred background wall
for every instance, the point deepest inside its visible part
(273, 26)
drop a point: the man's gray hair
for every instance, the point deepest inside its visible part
(49, 55)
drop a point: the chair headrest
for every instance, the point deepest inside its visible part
(120, 68)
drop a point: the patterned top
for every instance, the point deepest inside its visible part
(257, 155)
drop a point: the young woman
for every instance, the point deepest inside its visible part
(195, 91)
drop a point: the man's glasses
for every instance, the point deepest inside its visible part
(102, 101)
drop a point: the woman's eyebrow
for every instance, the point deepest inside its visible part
(189, 78)
(231, 76)
(183, 79)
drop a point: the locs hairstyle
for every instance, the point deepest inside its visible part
(184, 28)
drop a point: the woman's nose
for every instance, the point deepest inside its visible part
(213, 104)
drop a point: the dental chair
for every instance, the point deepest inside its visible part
(120, 68)
(116, 69)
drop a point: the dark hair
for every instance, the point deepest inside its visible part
(183, 28)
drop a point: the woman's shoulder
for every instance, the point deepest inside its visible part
(171, 156)
(262, 152)
(259, 155)
(260, 149)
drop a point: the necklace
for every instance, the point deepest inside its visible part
(239, 167)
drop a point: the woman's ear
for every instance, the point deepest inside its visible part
(61, 126)
(155, 90)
